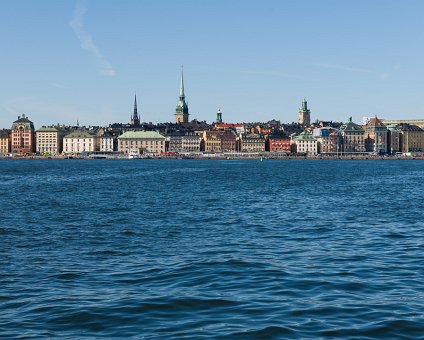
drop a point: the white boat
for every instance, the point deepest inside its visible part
(134, 154)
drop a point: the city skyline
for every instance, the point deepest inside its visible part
(83, 60)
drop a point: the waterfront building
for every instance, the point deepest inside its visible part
(304, 114)
(251, 142)
(228, 140)
(212, 141)
(326, 139)
(191, 142)
(150, 142)
(305, 143)
(22, 136)
(107, 142)
(219, 117)
(393, 139)
(80, 141)
(5, 141)
(411, 138)
(135, 118)
(181, 110)
(375, 136)
(352, 137)
(278, 143)
(174, 141)
(49, 140)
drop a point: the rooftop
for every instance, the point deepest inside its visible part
(79, 134)
(141, 134)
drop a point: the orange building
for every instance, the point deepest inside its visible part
(23, 136)
(279, 144)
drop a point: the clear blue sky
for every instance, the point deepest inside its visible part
(68, 60)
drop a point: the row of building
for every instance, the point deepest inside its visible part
(375, 136)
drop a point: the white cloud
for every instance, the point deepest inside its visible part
(344, 68)
(87, 42)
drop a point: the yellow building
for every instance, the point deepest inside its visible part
(49, 140)
(411, 138)
(141, 142)
(212, 141)
(4, 142)
(251, 143)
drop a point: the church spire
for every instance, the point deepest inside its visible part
(182, 83)
(181, 110)
(135, 119)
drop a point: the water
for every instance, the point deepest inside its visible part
(211, 249)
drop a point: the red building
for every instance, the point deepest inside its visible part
(278, 144)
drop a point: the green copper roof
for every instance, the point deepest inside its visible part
(351, 126)
(22, 120)
(48, 129)
(79, 134)
(141, 134)
(304, 136)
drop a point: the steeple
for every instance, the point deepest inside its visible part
(304, 104)
(304, 114)
(135, 119)
(219, 116)
(181, 110)
(182, 83)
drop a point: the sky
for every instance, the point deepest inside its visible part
(63, 60)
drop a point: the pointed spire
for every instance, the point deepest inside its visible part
(135, 114)
(182, 83)
(135, 119)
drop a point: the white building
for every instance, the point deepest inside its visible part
(141, 142)
(106, 143)
(49, 140)
(305, 143)
(79, 142)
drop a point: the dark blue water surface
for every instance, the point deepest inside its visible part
(211, 249)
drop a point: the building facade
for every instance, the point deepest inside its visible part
(4, 142)
(191, 143)
(22, 136)
(393, 139)
(107, 142)
(326, 141)
(49, 140)
(228, 140)
(142, 142)
(212, 141)
(78, 142)
(411, 138)
(305, 143)
(251, 143)
(375, 136)
(352, 136)
(278, 143)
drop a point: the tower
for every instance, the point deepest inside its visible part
(304, 114)
(135, 119)
(219, 116)
(181, 110)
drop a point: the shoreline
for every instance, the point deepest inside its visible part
(221, 157)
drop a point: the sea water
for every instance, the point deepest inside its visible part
(211, 249)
